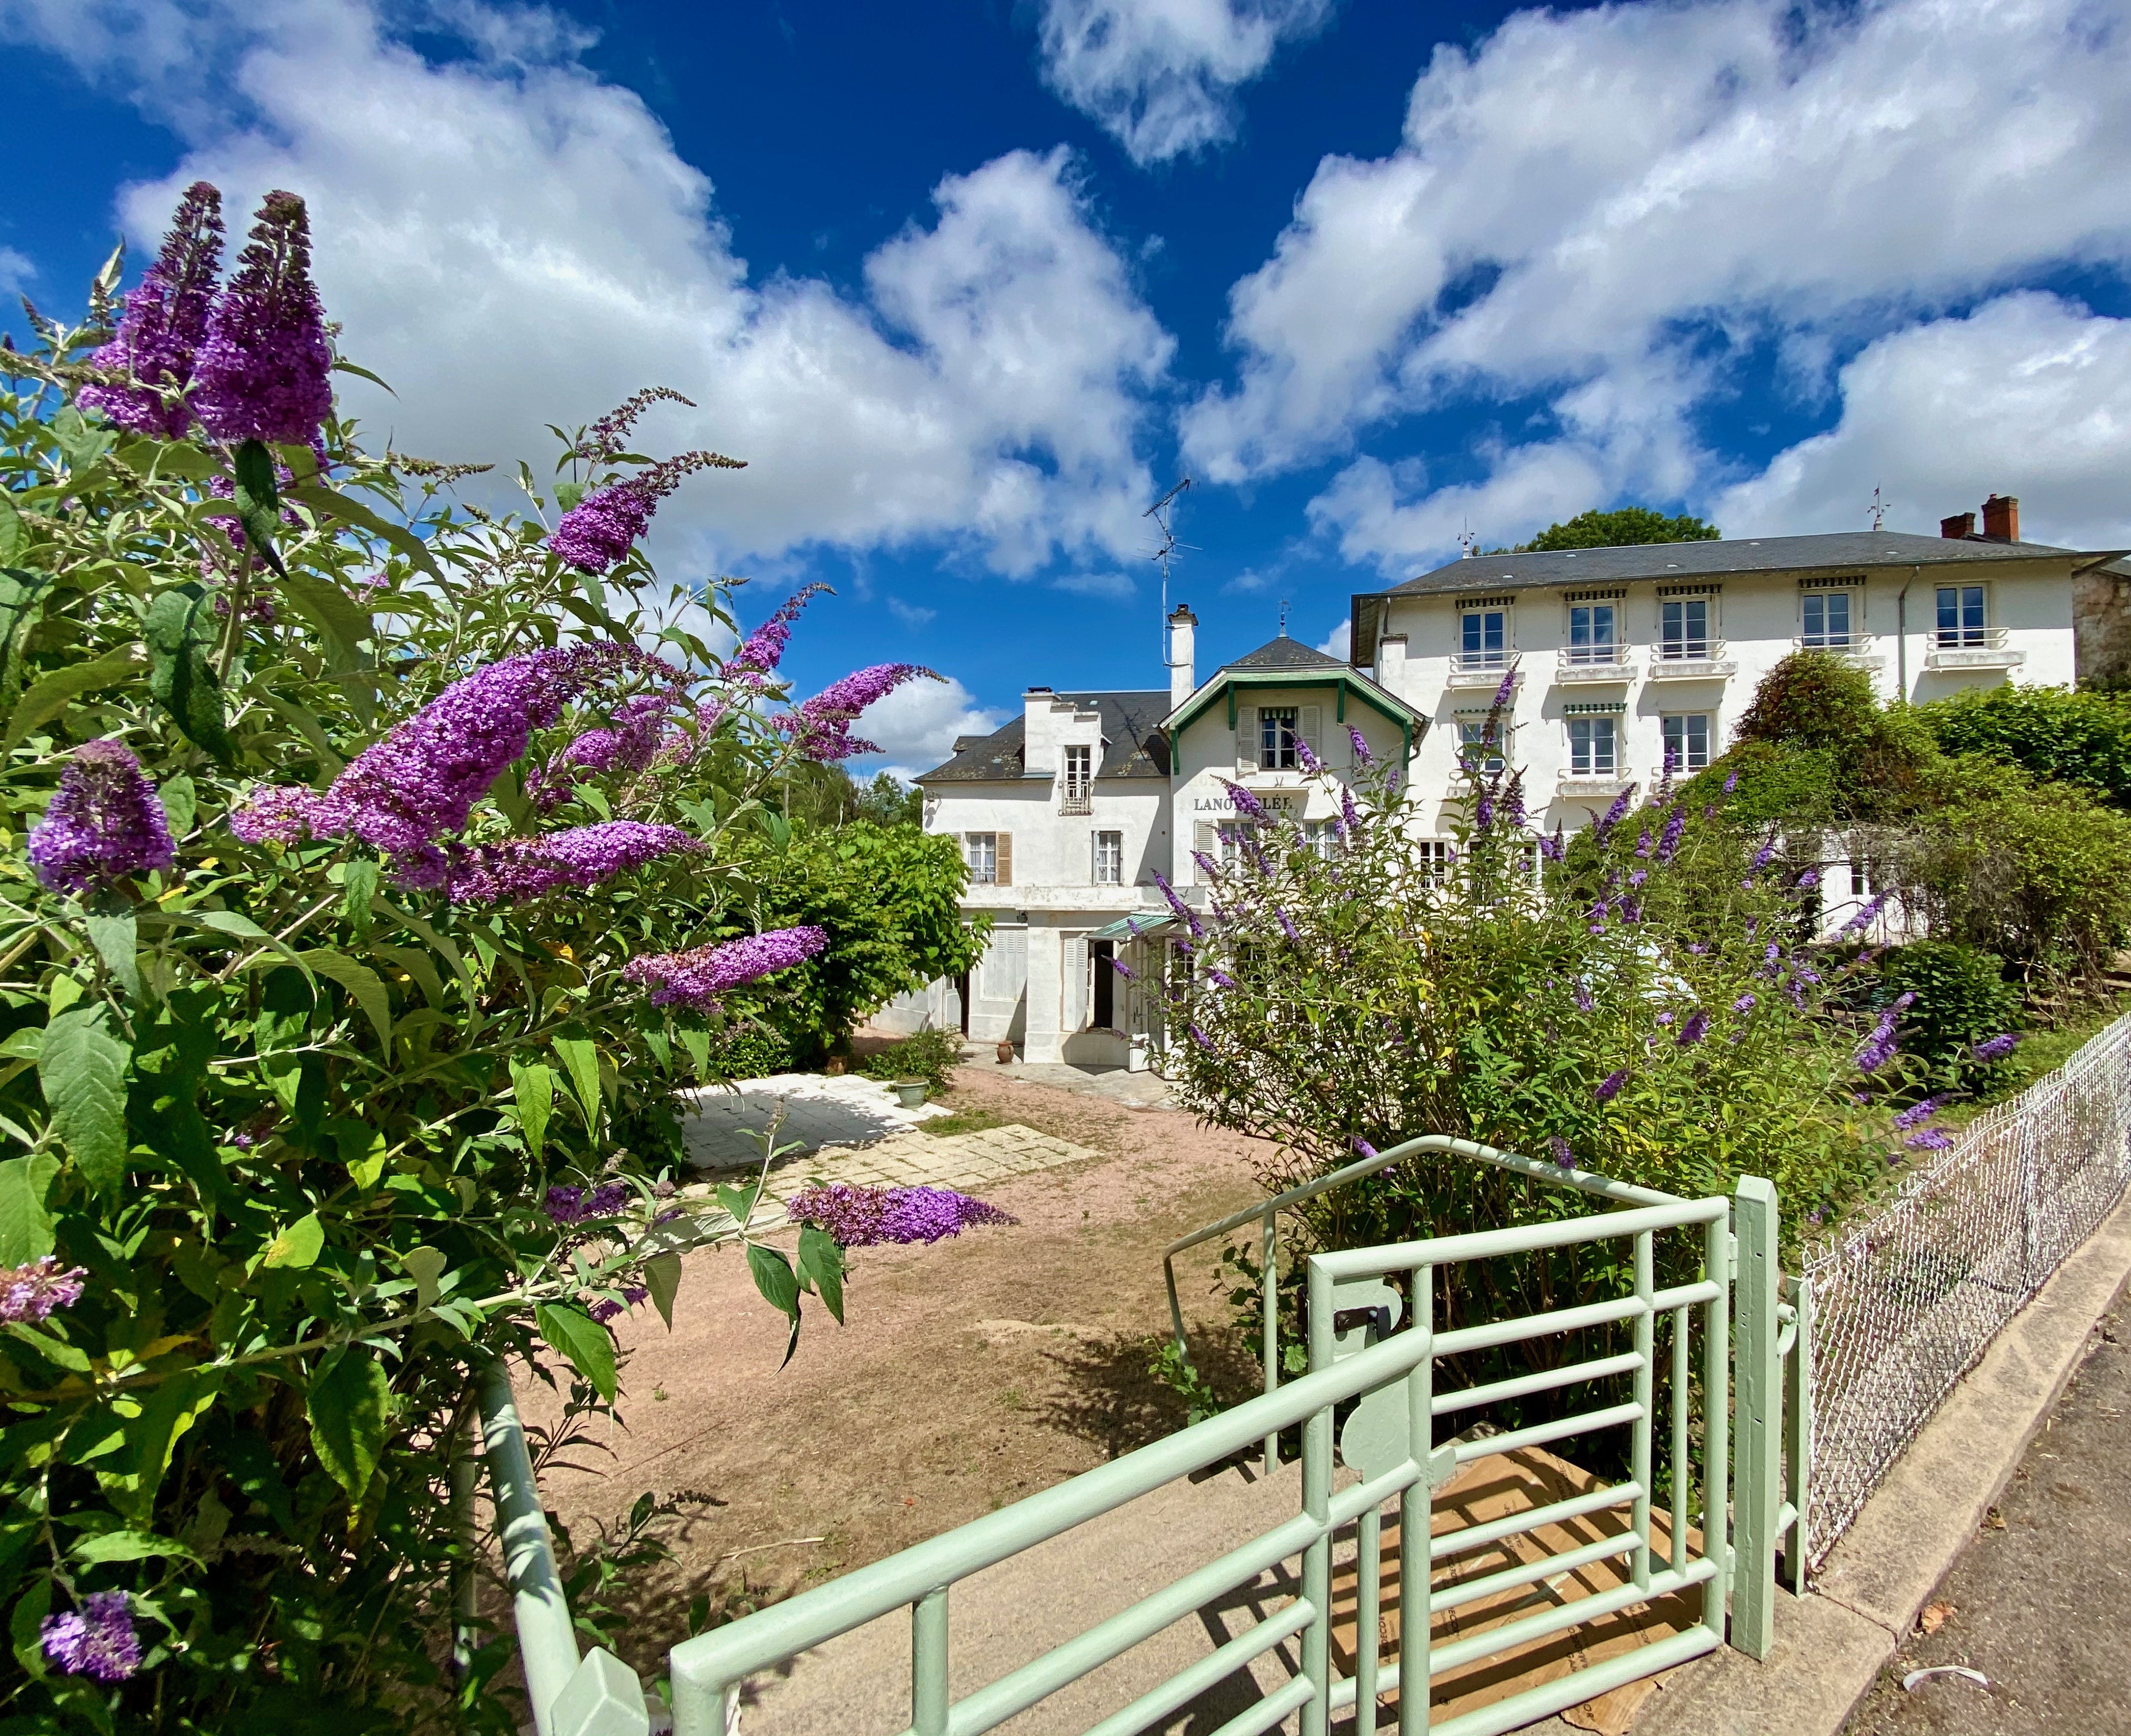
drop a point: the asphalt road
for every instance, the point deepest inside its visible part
(2040, 1597)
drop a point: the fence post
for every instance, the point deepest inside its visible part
(1756, 1492)
(1798, 1437)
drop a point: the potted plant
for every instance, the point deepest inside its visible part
(909, 1093)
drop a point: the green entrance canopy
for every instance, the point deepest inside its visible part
(1146, 927)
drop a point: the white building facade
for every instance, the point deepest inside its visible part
(1616, 658)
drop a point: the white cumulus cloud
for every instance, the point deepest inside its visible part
(1161, 76)
(2029, 395)
(510, 240)
(1603, 210)
(916, 725)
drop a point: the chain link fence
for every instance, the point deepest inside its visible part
(1906, 1302)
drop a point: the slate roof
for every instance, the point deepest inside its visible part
(1846, 551)
(1134, 745)
(1283, 653)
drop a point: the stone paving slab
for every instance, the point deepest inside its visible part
(966, 1162)
(818, 1112)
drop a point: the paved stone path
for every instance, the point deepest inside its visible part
(858, 1136)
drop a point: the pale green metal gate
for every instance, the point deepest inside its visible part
(1388, 1443)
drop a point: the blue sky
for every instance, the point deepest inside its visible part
(970, 283)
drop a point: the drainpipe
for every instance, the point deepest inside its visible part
(1902, 635)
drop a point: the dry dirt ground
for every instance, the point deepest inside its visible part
(970, 1373)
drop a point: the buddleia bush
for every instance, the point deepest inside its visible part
(364, 905)
(1641, 999)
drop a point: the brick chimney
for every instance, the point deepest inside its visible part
(1961, 524)
(2001, 518)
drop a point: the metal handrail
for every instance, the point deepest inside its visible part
(1583, 1181)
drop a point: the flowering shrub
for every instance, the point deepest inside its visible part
(857, 1218)
(361, 915)
(1637, 1000)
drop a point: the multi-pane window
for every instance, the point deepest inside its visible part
(1960, 614)
(1683, 626)
(1232, 834)
(1277, 738)
(1594, 747)
(1686, 741)
(980, 849)
(1321, 835)
(1080, 778)
(1591, 638)
(1827, 620)
(1435, 860)
(1483, 639)
(1110, 858)
(1475, 752)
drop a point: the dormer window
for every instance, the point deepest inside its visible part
(1277, 727)
(1078, 787)
(1483, 640)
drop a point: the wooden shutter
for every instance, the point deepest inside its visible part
(1094, 857)
(1206, 841)
(1005, 873)
(1311, 722)
(1076, 984)
(1247, 738)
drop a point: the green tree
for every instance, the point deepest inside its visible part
(886, 802)
(2053, 732)
(1620, 529)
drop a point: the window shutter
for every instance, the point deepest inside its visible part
(1312, 721)
(1206, 841)
(1005, 874)
(1094, 857)
(1076, 984)
(1247, 738)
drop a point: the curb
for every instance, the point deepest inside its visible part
(1831, 1644)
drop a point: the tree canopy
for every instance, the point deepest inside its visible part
(1620, 528)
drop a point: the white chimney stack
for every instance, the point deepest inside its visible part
(1391, 664)
(1181, 685)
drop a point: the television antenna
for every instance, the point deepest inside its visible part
(1879, 508)
(1164, 553)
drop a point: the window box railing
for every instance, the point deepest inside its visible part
(1076, 798)
(1593, 663)
(1972, 648)
(1855, 649)
(1481, 668)
(1696, 659)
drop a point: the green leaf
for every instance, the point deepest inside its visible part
(822, 1260)
(300, 1245)
(26, 1226)
(737, 1201)
(168, 1411)
(343, 626)
(129, 1546)
(581, 1058)
(25, 1625)
(533, 1091)
(113, 934)
(350, 1405)
(180, 804)
(330, 503)
(343, 366)
(21, 607)
(662, 1277)
(181, 629)
(83, 446)
(52, 695)
(587, 1345)
(82, 1068)
(775, 1278)
(12, 533)
(364, 985)
(359, 885)
(425, 1266)
(258, 500)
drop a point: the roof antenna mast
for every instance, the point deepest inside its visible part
(1164, 553)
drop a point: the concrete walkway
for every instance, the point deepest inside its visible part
(1113, 1084)
(818, 1111)
(2035, 1602)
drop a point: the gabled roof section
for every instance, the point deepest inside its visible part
(1282, 654)
(1835, 552)
(1133, 744)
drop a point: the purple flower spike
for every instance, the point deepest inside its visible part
(1918, 1112)
(1363, 1146)
(1582, 996)
(1507, 692)
(1609, 1088)
(104, 823)
(632, 1294)
(1694, 1031)
(1644, 843)
(1562, 1155)
(1616, 813)
(421, 782)
(1997, 1047)
(518, 868)
(1731, 781)
(1762, 855)
(35, 1291)
(1287, 927)
(1349, 814)
(695, 979)
(1246, 803)
(1669, 844)
(164, 321)
(1808, 880)
(1362, 756)
(265, 369)
(859, 1217)
(1303, 758)
(97, 1640)
(1200, 1038)
(761, 651)
(1864, 917)
(1932, 1139)
(1746, 1003)
(821, 727)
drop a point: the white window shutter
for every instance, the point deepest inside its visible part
(1095, 856)
(1247, 738)
(1312, 728)
(1206, 841)
(1077, 982)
